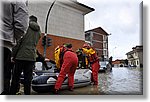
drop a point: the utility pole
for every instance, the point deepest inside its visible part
(46, 41)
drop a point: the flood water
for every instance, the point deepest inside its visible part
(121, 81)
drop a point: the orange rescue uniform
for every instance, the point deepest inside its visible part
(69, 65)
(94, 61)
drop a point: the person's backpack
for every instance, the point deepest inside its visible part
(59, 54)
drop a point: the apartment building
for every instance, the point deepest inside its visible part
(98, 38)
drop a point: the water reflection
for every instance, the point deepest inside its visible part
(121, 81)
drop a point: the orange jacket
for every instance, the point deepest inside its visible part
(91, 54)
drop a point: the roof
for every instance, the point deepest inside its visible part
(79, 6)
(98, 30)
(89, 9)
(138, 47)
(135, 49)
(118, 61)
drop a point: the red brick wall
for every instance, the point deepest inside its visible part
(97, 37)
(99, 53)
(57, 40)
(98, 45)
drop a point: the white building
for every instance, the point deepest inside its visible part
(135, 57)
(66, 17)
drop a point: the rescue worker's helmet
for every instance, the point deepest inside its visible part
(86, 45)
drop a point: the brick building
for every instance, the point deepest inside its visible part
(98, 37)
(65, 25)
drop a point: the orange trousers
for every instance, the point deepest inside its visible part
(70, 63)
(95, 68)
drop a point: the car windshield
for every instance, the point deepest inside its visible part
(103, 63)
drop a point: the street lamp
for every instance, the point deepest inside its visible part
(44, 37)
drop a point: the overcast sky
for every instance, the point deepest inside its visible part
(121, 19)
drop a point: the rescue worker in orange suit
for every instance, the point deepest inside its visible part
(94, 61)
(69, 65)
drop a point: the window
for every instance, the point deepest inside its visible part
(105, 38)
(88, 37)
(105, 45)
(105, 52)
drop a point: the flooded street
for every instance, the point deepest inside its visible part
(121, 81)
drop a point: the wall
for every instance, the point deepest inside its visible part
(56, 40)
(140, 54)
(98, 37)
(63, 20)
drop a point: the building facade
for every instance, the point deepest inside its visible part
(135, 57)
(99, 40)
(66, 21)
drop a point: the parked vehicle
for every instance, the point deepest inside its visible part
(103, 66)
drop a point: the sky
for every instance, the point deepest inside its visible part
(121, 19)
